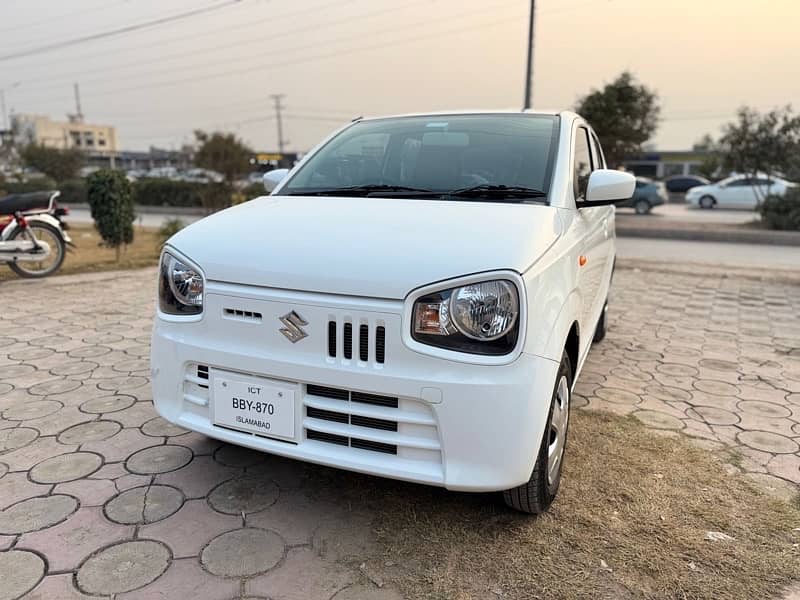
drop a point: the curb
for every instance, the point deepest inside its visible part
(731, 235)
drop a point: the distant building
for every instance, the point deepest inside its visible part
(661, 164)
(74, 133)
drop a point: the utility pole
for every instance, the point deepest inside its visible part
(3, 108)
(276, 98)
(78, 112)
(3, 103)
(529, 66)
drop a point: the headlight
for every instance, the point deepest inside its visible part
(180, 287)
(480, 318)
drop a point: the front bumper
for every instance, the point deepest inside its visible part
(461, 426)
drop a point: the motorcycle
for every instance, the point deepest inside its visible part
(33, 234)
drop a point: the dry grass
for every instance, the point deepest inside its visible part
(88, 256)
(639, 502)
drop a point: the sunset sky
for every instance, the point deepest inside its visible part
(336, 59)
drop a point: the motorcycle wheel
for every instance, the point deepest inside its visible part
(44, 233)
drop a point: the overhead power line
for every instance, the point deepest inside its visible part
(119, 31)
(93, 9)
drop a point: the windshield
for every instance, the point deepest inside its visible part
(432, 156)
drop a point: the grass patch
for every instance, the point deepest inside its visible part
(88, 256)
(629, 522)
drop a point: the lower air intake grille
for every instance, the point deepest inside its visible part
(355, 411)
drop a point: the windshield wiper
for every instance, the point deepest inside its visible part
(365, 190)
(497, 192)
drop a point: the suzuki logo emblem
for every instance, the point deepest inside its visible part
(292, 329)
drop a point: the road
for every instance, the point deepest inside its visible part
(144, 219)
(717, 253)
(681, 212)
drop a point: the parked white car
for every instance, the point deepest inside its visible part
(415, 300)
(738, 191)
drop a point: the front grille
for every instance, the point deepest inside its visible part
(327, 437)
(364, 341)
(326, 392)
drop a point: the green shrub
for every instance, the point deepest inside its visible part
(782, 212)
(216, 196)
(37, 184)
(169, 228)
(73, 191)
(166, 192)
(111, 202)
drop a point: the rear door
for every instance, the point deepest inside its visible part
(739, 193)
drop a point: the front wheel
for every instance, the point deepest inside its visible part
(50, 263)
(707, 202)
(537, 494)
(642, 207)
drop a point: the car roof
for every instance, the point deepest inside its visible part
(478, 112)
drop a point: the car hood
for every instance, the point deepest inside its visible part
(373, 247)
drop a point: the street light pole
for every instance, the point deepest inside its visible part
(529, 66)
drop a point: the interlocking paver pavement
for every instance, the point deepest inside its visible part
(99, 495)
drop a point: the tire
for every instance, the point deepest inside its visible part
(707, 202)
(602, 324)
(537, 494)
(52, 236)
(642, 207)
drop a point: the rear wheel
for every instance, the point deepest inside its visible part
(50, 263)
(707, 202)
(536, 495)
(642, 207)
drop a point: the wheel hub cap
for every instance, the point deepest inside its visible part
(558, 430)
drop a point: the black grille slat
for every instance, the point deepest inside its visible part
(373, 423)
(363, 343)
(348, 340)
(202, 371)
(380, 344)
(374, 446)
(327, 437)
(374, 399)
(332, 339)
(327, 392)
(326, 415)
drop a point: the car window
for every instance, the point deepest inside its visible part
(740, 182)
(640, 184)
(434, 153)
(582, 166)
(764, 182)
(598, 161)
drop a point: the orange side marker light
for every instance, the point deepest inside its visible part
(581, 260)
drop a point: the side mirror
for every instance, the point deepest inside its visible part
(607, 186)
(273, 178)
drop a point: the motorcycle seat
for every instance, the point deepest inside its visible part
(15, 203)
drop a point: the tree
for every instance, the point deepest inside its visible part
(762, 144)
(223, 153)
(111, 203)
(711, 163)
(624, 114)
(60, 165)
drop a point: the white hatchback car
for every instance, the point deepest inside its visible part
(415, 300)
(738, 191)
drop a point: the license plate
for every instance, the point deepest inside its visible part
(255, 405)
